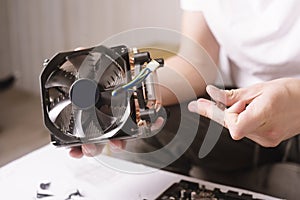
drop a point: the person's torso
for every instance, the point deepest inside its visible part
(260, 37)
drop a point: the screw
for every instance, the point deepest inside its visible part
(45, 63)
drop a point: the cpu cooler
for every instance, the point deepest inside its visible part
(99, 94)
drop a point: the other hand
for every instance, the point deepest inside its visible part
(266, 113)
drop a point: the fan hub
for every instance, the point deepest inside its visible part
(84, 93)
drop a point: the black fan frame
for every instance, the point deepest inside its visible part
(121, 56)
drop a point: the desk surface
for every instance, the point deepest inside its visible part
(21, 179)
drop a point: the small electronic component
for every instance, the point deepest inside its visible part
(100, 93)
(188, 190)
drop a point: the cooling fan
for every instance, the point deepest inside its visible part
(98, 94)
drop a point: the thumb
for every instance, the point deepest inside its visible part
(227, 97)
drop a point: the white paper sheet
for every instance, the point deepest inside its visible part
(21, 178)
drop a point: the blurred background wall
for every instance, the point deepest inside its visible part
(32, 30)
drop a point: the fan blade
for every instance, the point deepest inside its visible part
(78, 130)
(76, 60)
(105, 121)
(56, 110)
(60, 78)
(105, 98)
(110, 77)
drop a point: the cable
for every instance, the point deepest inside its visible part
(150, 67)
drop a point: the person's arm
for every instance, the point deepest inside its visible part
(266, 113)
(182, 71)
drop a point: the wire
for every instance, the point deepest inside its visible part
(150, 67)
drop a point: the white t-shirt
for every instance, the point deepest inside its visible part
(261, 38)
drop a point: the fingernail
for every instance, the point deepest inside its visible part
(89, 149)
(114, 148)
(211, 88)
(193, 106)
(216, 93)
